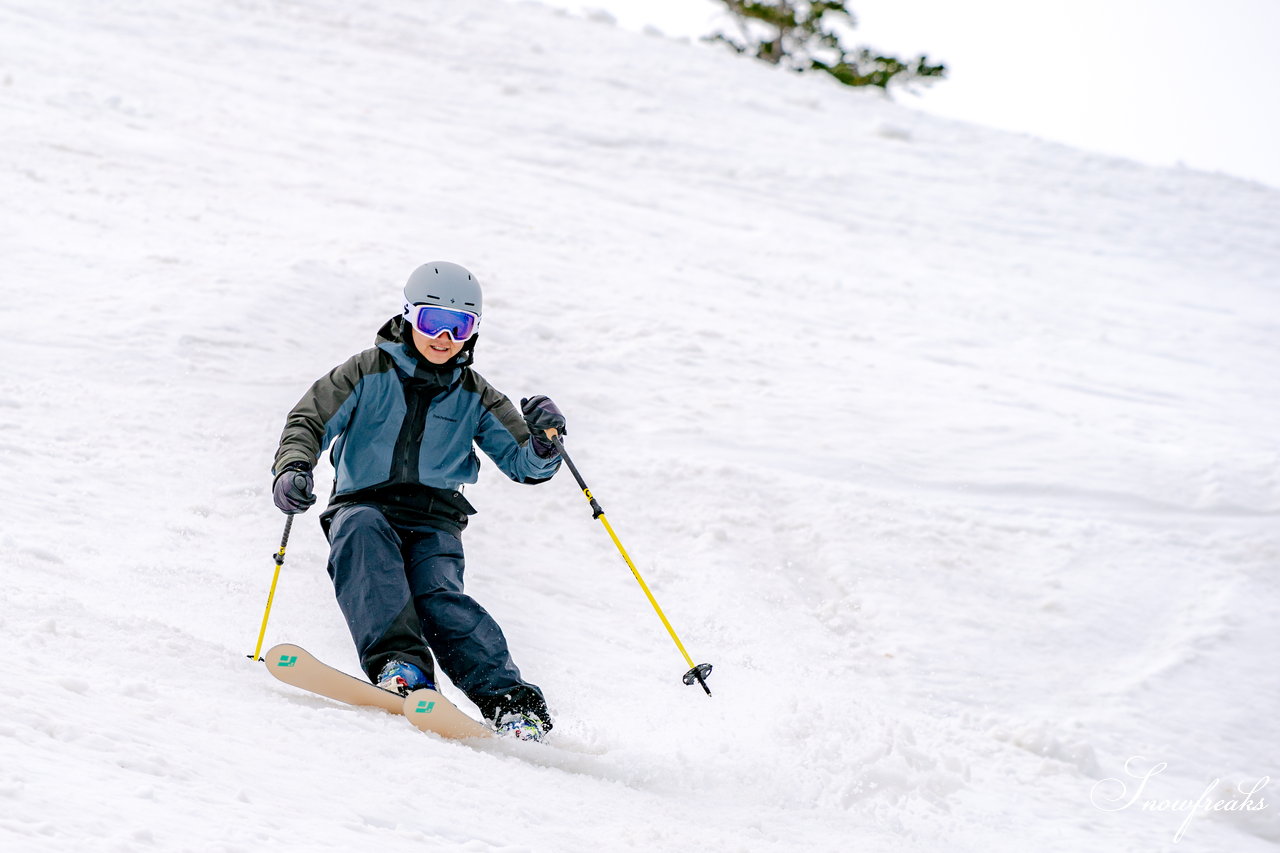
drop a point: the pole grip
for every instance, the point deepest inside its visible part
(573, 469)
(597, 511)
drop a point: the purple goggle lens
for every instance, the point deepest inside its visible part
(431, 320)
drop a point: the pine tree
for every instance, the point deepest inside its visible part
(804, 36)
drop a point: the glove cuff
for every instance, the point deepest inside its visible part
(295, 466)
(543, 447)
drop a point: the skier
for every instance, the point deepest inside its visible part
(401, 418)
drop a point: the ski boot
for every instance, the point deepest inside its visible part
(403, 677)
(521, 725)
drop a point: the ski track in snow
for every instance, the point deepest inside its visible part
(953, 450)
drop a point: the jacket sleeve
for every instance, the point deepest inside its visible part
(322, 414)
(504, 437)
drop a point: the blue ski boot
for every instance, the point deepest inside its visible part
(403, 677)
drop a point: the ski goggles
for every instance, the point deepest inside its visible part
(432, 320)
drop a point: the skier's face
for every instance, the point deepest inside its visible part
(436, 350)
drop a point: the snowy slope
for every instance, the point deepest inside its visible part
(953, 450)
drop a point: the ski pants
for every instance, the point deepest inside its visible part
(400, 590)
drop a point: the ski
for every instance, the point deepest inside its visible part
(431, 712)
(428, 710)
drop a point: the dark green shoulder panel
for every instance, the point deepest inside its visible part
(493, 400)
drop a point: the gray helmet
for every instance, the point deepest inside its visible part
(445, 284)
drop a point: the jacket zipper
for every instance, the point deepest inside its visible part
(409, 442)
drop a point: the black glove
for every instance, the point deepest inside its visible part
(292, 490)
(541, 414)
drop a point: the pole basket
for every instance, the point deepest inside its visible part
(698, 675)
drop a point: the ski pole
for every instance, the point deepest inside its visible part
(279, 558)
(697, 673)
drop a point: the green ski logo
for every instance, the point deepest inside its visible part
(424, 707)
(287, 660)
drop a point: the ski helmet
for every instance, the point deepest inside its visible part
(444, 284)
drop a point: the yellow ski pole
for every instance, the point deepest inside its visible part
(275, 578)
(697, 673)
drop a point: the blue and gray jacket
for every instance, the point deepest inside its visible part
(402, 432)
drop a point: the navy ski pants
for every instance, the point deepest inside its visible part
(400, 590)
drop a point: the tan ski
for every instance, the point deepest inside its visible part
(428, 710)
(431, 712)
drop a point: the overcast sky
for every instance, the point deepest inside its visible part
(1161, 81)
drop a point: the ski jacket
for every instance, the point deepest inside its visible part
(394, 423)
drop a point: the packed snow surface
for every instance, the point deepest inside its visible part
(954, 451)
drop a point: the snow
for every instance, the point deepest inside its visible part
(953, 450)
